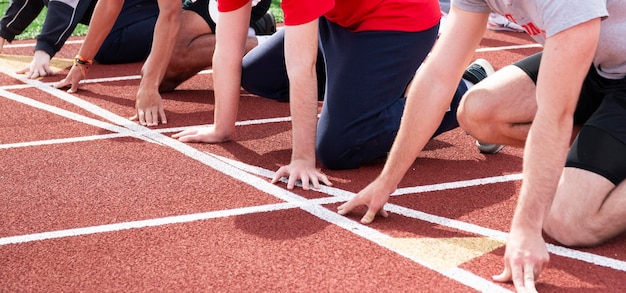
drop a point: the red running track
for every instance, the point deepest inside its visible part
(93, 202)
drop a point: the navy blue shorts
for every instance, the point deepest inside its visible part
(130, 39)
(362, 77)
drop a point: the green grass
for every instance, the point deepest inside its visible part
(277, 11)
(35, 27)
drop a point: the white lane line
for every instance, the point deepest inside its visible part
(265, 186)
(162, 221)
(121, 133)
(64, 113)
(447, 222)
(505, 48)
(452, 185)
(61, 141)
(32, 44)
(86, 81)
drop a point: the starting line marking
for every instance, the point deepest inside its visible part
(313, 206)
(464, 277)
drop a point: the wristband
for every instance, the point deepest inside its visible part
(82, 61)
(83, 64)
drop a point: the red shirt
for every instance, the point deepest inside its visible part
(358, 15)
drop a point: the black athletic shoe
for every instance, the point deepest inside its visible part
(478, 71)
(266, 25)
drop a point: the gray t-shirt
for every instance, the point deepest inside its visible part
(544, 18)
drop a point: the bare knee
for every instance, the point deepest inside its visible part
(571, 231)
(474, 113)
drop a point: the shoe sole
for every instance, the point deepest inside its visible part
(487, 148)
(505, 29)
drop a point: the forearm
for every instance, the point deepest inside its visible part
(300, 58)
(428, 100)
(104, 16)
(227, 90)
(570, 51)
(303, 106)
(432, 90)
(165, 32)
(227, 59)
(544, 158)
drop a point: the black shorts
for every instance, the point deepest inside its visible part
(201, 7)
(601, 111)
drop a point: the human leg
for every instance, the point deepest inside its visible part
(265, 73)
(500, 108)
(195, 44)
(475, 73)
(130, 39)
(590, 202)
(193, 51)
(367, 74)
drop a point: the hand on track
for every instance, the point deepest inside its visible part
(525, 257)
(206, 135)
(149, 107)
(303, 171)
(374, 196)
(39, 67)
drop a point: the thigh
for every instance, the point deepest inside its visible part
(600, 147)
(367, 75)
(368, 72)
(581, 191)
(580, 195)
(199, 8)
(192, 25)
(193, 29)
(264, 71)
(130, 43)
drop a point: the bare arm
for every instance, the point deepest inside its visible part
(428, 99)
(149, 105)
(300, 57)
(431, 93)
(231, 37)
(104, 16)
(565, 62)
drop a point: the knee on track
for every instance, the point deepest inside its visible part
(570, 231)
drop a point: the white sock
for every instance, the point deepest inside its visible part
(467, 83)
(251, 32)
(262, 39)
